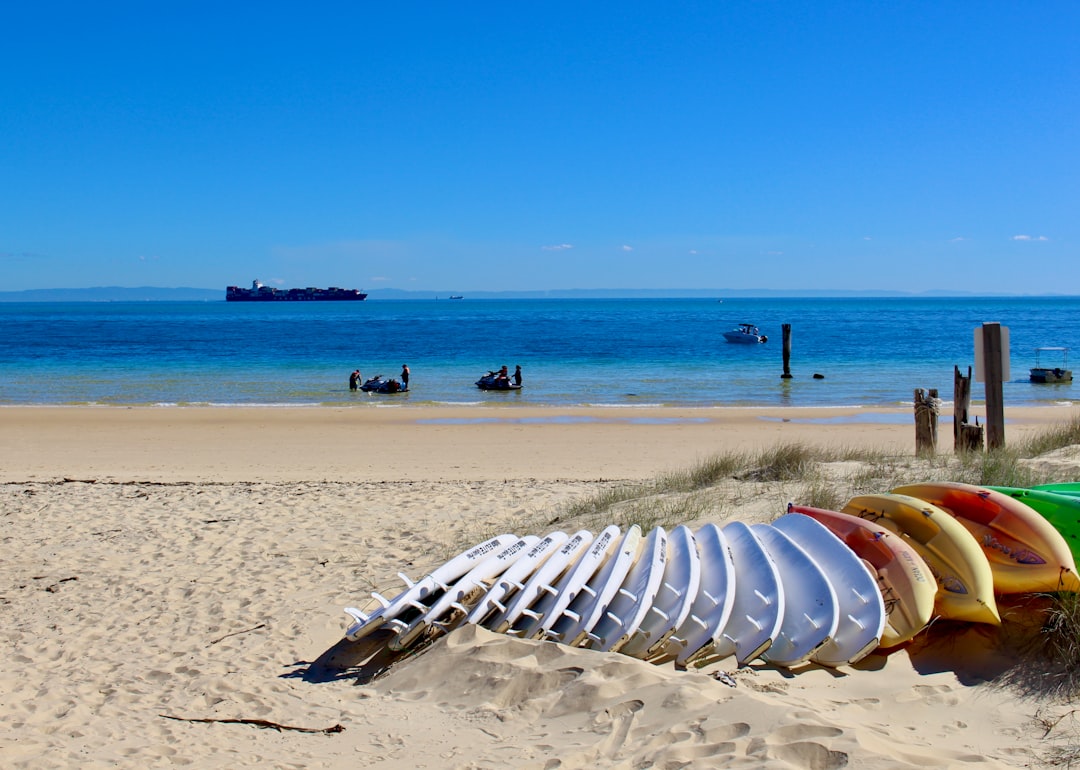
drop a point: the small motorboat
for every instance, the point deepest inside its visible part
(1040, 373)
(496, 381)
(377, 384)
(745, 333)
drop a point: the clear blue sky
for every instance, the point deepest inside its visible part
(509, 146)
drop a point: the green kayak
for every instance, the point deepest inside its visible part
(1062, 511)
(1070, 488)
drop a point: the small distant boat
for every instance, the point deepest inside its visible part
(745, 333)
(1044, 374)
(456, 296)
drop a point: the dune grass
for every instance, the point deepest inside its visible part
(810, 474)
(1047, 660)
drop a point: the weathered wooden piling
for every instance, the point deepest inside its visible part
(993, 372)
(966, 437)
(926, 420)
(786, 329)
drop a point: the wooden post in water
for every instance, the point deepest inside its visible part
(786, 328)
(966, 438)
(926, 419)
(992, 376)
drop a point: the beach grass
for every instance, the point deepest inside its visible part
(1047, 659)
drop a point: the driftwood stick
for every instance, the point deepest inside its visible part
(237, 633)
(264, 723)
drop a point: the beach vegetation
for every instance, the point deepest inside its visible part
(722, 487)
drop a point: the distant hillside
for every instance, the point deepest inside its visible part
(115, 294)
(186, 294)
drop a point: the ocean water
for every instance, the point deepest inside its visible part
(611, 352)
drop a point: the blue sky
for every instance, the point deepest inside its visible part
(511, 146)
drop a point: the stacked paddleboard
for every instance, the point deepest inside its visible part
(813, 586)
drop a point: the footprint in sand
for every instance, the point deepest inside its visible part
(810, 754)
(802, 732)
(938, 695)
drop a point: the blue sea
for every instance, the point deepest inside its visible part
(599, 352)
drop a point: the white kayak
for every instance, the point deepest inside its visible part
(631, 602)
(671, 606)
(450, 609)
(711, 608)
(542, 583)
(861, 607)
(810, 607)
(494, 601)
(758, 606)
(412, 597)
(551, 608)
(585, 610)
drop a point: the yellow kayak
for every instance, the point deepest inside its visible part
(1026, 553)
(965, 582)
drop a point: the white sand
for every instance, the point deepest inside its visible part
(198, 564)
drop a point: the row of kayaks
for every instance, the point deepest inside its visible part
(814, 585)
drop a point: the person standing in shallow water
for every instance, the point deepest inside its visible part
(354, 380)
(517, 375)
(404, 376)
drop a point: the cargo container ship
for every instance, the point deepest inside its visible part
(261, 293)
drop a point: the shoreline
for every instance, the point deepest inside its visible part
(429, 443)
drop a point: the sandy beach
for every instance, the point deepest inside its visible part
(163, 566)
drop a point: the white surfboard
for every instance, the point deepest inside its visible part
(628, 607)
(758, 606)
(511, 581)
(589, 605)
(542, 583)
(412, 597)
(861, 608)
(810, 607)
(458, 600)
(711, 608)
(550, 607)
(677, 592)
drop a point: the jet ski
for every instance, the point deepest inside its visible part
(377, 384)
(496, 381)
